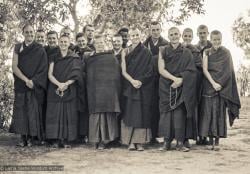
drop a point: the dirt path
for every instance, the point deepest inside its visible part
(233, 157)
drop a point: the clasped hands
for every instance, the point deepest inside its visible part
(63, 86)
(177, 82)
(136, 84)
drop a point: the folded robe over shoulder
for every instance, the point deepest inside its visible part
(103, 82)
(220, 66)
(179, 62)
(32, 61)
(137, 112)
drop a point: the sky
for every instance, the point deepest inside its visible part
(220, 15)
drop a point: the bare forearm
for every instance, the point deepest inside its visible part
(208, 76)
(19, 74)
(167, 75)
(69, 82)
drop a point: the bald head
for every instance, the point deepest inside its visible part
(174, 35)
(187, 35)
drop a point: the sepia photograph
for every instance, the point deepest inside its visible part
(124, 86)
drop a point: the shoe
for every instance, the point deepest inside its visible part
(55, 145)
(187, 144)
(217, 141)
(166, 146)
(29, 143)
(21, 144)
(101, 146)
(140, 147)
(66, 146)
(182, 148)
(131, 147)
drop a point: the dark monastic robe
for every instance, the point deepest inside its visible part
(201, 48)
(155, 106)
(198, 63)
(27, 111)
(62, 111)
(220, 67)
(83, 122)
(138, 102)
(179, 62)
(103, 83)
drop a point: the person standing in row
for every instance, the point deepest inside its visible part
(30, 71)
(177, 89)
(137, 69)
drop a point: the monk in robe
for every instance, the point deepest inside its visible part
(117, 46)
(153, 42)
(83, 121)
(81, 47)
(103, 87)
(177, 89)
(117, 50)
(40, 36)
(219, 91)
(203, 44)
(30, 83)
(66, 78)
(52, 44)
(89, 32)
(137, 69)
(192, 123)
(124, 33)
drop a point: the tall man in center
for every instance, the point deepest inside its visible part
(137, 69)
(153, 42)
(177, 89)
(103, 87)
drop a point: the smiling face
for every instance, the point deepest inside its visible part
(64, 43)
(117, 42)
(81, 42)
(216, 40)
(156, 31)
(52, 40)
(174, 35)
(187, 36)
(28, 33)
(99, 44)
(40, 37)
(135, 36)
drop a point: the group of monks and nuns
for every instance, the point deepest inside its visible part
(117, 46)
(137, 69)
(153, 42)
(124, 33)
(41, 37)
(30, 77)
(187, 37)
(177, 89)
(89, 32)
(103, 88)
(65, 79)
(219, 91)
(204, 43)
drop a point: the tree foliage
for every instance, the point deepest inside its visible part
(241, 32)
